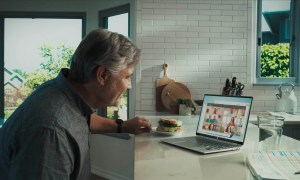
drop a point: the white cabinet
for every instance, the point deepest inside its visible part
(112, 156)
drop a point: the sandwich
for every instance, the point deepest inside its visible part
(169, 125)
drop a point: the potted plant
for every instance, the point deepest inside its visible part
(186, 106)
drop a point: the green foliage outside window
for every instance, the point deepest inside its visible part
(275, 60)
(53, 59)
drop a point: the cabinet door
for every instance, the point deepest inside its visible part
(292, 130)
(112, 155)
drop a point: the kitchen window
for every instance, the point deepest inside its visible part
(278, 42)
(33, 48)
(117, 20)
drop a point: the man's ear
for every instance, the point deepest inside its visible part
(101, 74)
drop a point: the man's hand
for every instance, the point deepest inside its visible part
(136, 125)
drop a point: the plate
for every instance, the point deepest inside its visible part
(154, 131)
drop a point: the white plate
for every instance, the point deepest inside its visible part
(154, 131)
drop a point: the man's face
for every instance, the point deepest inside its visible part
(117, 85)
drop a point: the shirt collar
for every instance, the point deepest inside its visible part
(68, 89)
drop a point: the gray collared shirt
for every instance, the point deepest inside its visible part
(47, 137)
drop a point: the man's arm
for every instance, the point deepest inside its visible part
(136, 125)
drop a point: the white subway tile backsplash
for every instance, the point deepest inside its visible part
(152, 51)
(152, 62)
(210, 34)
(239, 52)
(199, 6)
(147, 11)
(199, 51)
(234, 13)
(219, 74)
(234, 2)
(164, 45)
(221, 52)
(210, 12)
(192, 76)
(153, 28)
(232, 46)
(162, 34)
(244, 30)
(220, 41)
(164, 11)
(198, 17)
(210, 23)
(176, 6)
(176, 62)
(233, 58)
(187, 23)
(240, 18)
(222, 7)
(175, 51)
(232, 35)
(186, 34)
(233, 69)
(240, 7)
(220, 29)
(147, 102)
(152, 39)
(198, 29)
(203, 42)
(186, 69)
(186, 57)
(202, 1)
(176, 17)
(186, 11)
(221, 63)
(146, 33)
(221, 18)
(234, 24)
(175, 28)
(173, 40)
(164, 22)
(152, 16)
(146, 45)
(147, 79)
(207, 68)
(147, 22)
(186, 46)
(147, 85)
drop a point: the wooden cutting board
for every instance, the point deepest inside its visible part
(171, 93)
(160, 84)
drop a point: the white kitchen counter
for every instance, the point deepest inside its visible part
(156, 160)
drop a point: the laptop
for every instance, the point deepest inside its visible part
(221, 127)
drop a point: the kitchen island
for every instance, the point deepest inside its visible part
(156, 160)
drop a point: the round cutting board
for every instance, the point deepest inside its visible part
(171, 93)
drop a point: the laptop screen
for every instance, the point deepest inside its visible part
(225, 117)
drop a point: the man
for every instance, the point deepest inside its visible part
(47, 137)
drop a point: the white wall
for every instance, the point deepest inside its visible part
(203, 42)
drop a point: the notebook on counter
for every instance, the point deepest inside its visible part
(222, 125)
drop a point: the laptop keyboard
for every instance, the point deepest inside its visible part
(208, 144)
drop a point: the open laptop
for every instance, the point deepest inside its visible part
(222, 125)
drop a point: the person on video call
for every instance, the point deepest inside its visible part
(47, 137)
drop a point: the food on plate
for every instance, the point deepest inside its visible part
(169, 125)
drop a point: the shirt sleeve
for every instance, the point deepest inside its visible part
(42, 153)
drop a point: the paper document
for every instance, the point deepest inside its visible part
(275, 165)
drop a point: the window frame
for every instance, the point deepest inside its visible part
(40, 15)
(294, 48)
(103, 23)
